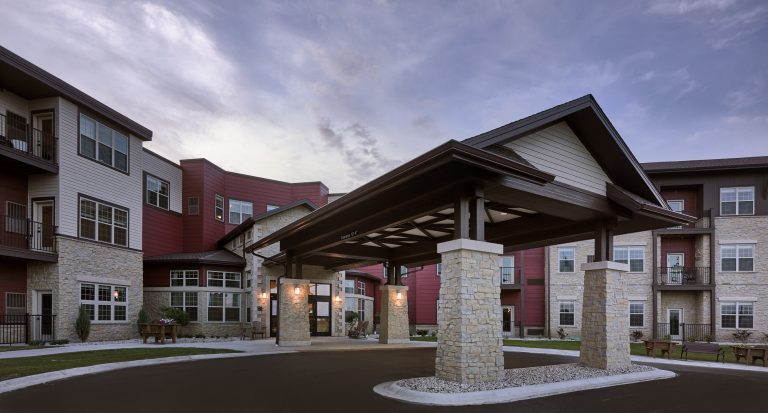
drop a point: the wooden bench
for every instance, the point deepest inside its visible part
(665, 347)
(158, 331)
(705, 348)
(750, 354)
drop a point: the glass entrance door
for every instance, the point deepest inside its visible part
(319, 309)
(508, 319)
(674, 318)
(675, 264)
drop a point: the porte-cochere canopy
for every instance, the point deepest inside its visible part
(561, 175)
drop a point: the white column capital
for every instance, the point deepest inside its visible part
(469, 244)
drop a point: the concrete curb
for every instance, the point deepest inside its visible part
(512, 394)
(27, 381)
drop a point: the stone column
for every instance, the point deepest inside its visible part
(605, 316)
(293, 312)
(394, 315)
(469, 343)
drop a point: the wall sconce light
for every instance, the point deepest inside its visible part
(296, 291)
(399, 296)
(116, 294)
(338, 299)
(264, 296)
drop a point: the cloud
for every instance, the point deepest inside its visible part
(688, 6)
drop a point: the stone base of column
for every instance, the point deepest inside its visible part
(293, 313)
(605, 319)
(394, 315)
(469, 342)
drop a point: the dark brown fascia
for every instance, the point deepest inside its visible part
(636, 204)
(451, 151)
(72, 93)
(248, 223)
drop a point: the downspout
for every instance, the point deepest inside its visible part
(547, 297)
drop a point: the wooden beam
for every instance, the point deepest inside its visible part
(476, 215)
(461, 217)
(604, 241)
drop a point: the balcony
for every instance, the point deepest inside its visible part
(702, 224)
(683, 277)
(27, 239)
(510, 278)
(27, 149)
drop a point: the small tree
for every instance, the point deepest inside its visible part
(143, 318)
(636, 335)
(351, 317)
(178, 315)
(83, 324)
(561, 333)
(742, 335)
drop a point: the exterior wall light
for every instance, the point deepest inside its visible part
(296, 291)
(338, 299)
(399, 295)
(264, 296)
(116, 294)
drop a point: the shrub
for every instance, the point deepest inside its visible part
(199, 335)
(36, 343)
(58, 342)
(422, 333)
(176, 314)
(143, 318)
(708, 338)
(351, 316)
(561, 333)
(83, 324)
(636, 335)
(742, 335)
(433, 333)
(693, 338)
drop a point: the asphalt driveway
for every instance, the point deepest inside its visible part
(342, 381)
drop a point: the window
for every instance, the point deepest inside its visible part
(15, 218)
(219, 208)
(361, 287)
(636, 313)
(184, 278)
(157, 192)
(567, 259)
(193, 205)
(223, 279)
(439, 269)
(104, 302)
(271, 207)
(248, 281)
(102, 222)
(239, 211)
(737, 315)
(737, 201)
(15, 303)
(737, 257)
(507, 269)
(676, 205)
(224, 307)
(403, 271)
(349, 286)
(634, 256)
(185, 301)
(567, 313)
(361, 309)
(103, 144)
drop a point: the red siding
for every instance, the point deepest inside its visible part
(14, 189)
(534, 294)
(685, 245)
(13, 279)
(690, 198)
(162, 232)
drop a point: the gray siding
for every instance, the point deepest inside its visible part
(163, 170)
(559, 151)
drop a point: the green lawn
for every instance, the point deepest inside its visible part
(636, 349)
(17, 348)
(25, 366)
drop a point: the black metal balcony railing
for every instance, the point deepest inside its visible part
(27, 234)
(684, 331)
(23, 328)
(703, 221)
(22, 137)
(683, 276)
(510, 275)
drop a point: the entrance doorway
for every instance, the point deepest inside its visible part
(43, 143)
(675, 319)
(675, 264)
(42, 225)
(42, 321)
(508, 319)
(319, 309)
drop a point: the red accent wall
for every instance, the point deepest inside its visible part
(13, 279)
(162, 232)
(685, 245)
(534, 294)
(690, 198)
(14, 189)
(423, 291)
(204, 180)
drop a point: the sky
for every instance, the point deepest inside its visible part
(342, 92)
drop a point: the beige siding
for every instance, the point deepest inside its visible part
(559, 151)
(79, 175)
(163, 170)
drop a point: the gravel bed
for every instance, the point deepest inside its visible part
(518, 377)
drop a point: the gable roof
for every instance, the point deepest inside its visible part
(17, 73)
(585, 117)
(754, 162)
(248, 223)
(219, 257)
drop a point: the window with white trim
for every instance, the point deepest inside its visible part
(157, 192)
(185, 301)
(224, 307)
(566, 257)
(184, 278)
(104, 302)
(219, 208)
(248, 280)
(737, 201)
(224, 279)
(239, 211)
(15, 218)
(403, 271)
(103, 223)
(567, 313)
(361, 287)
(737, 257)
(636, 314)
(193, 205)
(737, 315)
(634, 256)
(103, 144)
(349, 286)
(361, 309)
(439, 269)
(15, 303)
